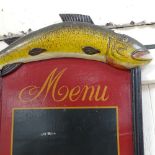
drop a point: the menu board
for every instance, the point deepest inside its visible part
(67, 107)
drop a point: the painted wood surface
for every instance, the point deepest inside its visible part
(62, 84)
(148, 97)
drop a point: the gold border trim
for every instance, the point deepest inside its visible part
(93, 107)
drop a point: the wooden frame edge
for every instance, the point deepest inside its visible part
(137, 116)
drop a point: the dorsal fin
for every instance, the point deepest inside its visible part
(76, 18)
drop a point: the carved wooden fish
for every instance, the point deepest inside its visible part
(76, 37)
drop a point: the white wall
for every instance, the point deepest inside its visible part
(148, 97)
(20, 15)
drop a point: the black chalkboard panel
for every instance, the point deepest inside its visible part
(65, 132)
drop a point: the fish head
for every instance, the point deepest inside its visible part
(126, 52)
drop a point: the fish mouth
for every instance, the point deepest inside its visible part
(142, 55)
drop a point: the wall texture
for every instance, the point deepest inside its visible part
(149, 118)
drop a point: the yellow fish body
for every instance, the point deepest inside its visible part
(79, 40)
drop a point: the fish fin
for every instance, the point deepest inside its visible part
(10, 40)
(10, 68)
(76, 18)
(90, 50)
(36, 51)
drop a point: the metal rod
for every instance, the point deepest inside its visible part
(11, 36)
(131, 24)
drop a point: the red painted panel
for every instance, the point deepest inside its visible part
(63, 83)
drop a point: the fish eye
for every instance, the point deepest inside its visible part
(125, 38)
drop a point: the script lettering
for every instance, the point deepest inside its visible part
(51, 88)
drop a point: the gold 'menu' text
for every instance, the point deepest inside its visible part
(51, 88)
